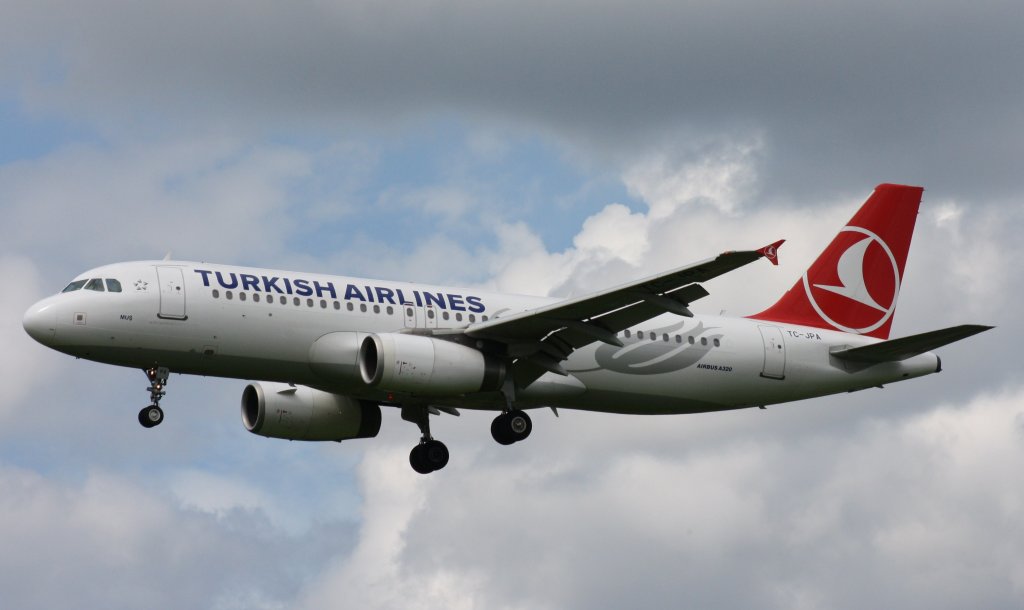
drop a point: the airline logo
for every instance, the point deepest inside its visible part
(350, 292)
(859, 293)
(771, 252)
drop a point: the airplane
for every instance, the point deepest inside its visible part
(330, 351)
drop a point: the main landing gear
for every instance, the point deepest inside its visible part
(511, 427)
(152, 415)
(430, 454)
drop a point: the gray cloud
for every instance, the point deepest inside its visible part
(844, 93)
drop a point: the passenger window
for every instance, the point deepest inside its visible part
(95, 284)
(228, 295)
(408, 311)
(349, 306)
(690, 339)
(337, 305)
(362, 307)
(627, 333)
(717, 343)
(256, 297)
(284, 301)
(216, 293)
(703, 340)
(323, 304)
(430, 314)
(296, 301)
(654, 336)
(458, 317)
(483, 318)
(679, 339)
(472, 318)
(445, 315)
(665, 337)
(75, 285)
(241, 296)
(376, 309)
(113, 286)
(391, 310)
(309, 302)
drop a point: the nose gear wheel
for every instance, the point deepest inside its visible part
(151, 416)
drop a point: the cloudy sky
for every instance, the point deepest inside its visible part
(536, 147)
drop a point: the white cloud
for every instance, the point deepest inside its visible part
(203, 198)
(913, 512)
(721, 178)
(21, 360)
(612, 233)
(372, 574)
(220, 496)
(693, 212)
(106, 543)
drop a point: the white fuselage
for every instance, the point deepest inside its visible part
(204, 319)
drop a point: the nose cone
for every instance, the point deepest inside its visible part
(40, 322)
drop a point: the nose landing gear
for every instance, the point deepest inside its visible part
(152, 415)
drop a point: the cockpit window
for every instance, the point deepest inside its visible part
(75, 285)
(95, 284)
(113, 285)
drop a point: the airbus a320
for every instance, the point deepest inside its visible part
(329, 352)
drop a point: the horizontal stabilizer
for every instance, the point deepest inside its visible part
(907, 347)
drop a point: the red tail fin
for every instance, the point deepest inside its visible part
(854, 284)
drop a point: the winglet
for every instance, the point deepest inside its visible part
(771, 252)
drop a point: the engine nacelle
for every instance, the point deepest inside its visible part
(335, 356)
(279, 410)
(424, 365)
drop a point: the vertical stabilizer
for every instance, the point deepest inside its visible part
(855, 282)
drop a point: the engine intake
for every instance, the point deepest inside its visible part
(278, 410)
(424, 365)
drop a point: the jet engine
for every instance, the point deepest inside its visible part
(335, 356)
(424, 365)
(279, 410)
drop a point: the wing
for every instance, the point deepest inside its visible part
(539, 339)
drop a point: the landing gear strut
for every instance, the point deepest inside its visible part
(430, 454)
(152, 415)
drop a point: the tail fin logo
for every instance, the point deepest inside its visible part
(860, 295)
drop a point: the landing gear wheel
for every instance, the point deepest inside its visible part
(428, 457)
(511, 427)
(418, 460)
(436, 454)
(151, 416)
(520, 425)
(500, 430)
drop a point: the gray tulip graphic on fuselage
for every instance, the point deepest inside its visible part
(645, 356)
